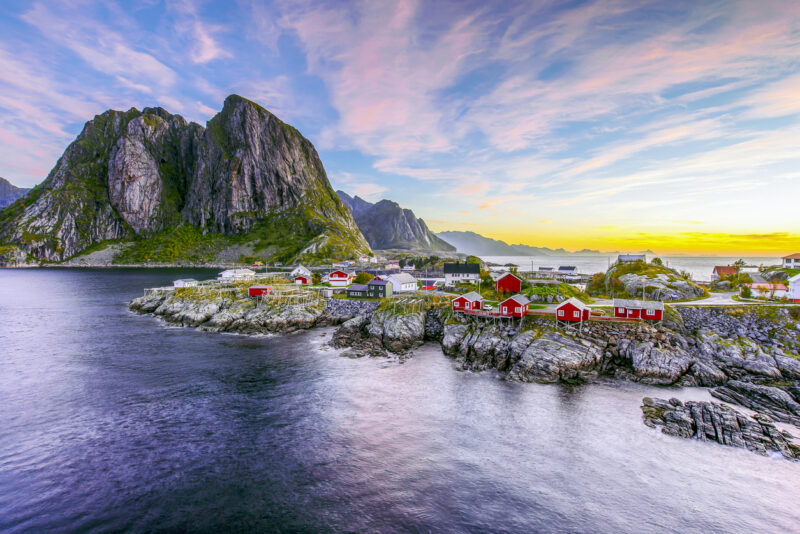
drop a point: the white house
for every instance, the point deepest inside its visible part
(236, 274)
(300, 270)
(792, 261)
(794, 289)
(409, 268)
(185, 282)
(461, 272)
(402, 282)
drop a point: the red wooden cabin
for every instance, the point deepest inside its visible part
(573, 310)
(302, 279)
(508, 283)
(638, 309)
(515, 306)
(469, 301)
(259, 291)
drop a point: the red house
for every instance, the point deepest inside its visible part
(468, 301)
(302, 279)
(516, 306)
(508, 283)
(573, 310)
(341, 278)
(650, 310)
(259, 291)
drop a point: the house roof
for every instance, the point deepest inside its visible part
(342, 271)
(575, 302)
(508, 274)
(639, 304)
(260, 286)
(357, 287)
(378, 282)
(545, 268)
(522, 300)
(726, 270)
(471, 296)
(795, 278)
(792, 257)
(462, 268)
(302, 275)
(567, 268)
(768, 287)
(402, 278)
(186, 280)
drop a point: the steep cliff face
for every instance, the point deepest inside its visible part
(133, 175)
(388, 226)
(9, 192)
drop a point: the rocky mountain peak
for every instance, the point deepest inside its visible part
(133, 174)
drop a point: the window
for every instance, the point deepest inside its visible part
(576, 314)
(456, 305)
(519, 310)
(505, 309)
(561, 313)
(620, 310)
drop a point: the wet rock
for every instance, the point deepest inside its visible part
(710, 421)
(654, 365)
(557, 358)
(771, 401)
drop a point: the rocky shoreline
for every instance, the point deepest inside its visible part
(749, 357)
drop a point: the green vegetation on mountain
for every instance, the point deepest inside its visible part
(181, 193)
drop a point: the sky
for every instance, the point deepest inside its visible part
(611, 125)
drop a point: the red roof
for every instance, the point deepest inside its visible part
(792, 257)
(726, 270)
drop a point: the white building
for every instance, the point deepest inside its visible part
(402, 282)
(792, 261)
(236, 274)
(455, 273)
(185, 282)
(340, 278)
(794, 289)
(301, 270)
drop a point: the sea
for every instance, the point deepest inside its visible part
(700, 267)
(111, 422)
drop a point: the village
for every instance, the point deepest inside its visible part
(504, 293)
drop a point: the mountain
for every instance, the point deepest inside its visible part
(478, 245)
(386, 225)
(175, 191)
(9, 192)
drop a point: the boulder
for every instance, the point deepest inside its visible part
(768, 400)
(710, 421)
(557, 358)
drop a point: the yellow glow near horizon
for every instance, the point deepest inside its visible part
(616, 238)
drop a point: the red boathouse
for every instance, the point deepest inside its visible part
(259, 291)
(649, 310)
(469, 301)
(573, 310)
(508, 283)
(302, 279)
(516, 306)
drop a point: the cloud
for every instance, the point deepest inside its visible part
(205, 47)
(104, 50)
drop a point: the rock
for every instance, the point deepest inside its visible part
(654, 365)
(721, 285)
(398, 333)
(554, 358)
(771, 401)
(708, 421)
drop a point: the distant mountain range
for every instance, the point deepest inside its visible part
(10, 193)
(478, 245)
(386, 225)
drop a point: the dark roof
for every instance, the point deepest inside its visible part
(567, 268)
(378, 282)
(462, 268)
(357, 287)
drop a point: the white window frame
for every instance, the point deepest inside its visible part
(576, 314)
(561, 313)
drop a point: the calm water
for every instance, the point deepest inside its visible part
(112, 422)
(700, 266)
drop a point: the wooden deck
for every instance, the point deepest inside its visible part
(544, 313)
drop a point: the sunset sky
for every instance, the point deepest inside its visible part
(612, 125)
